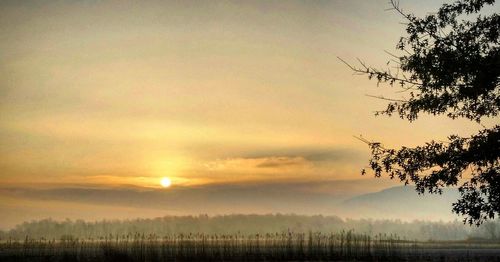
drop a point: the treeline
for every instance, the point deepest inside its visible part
(252, 224)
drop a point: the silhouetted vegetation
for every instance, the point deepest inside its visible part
(450, 65)
(285, 246)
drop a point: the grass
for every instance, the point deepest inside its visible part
(286, 246)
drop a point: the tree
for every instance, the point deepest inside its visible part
(450, 66)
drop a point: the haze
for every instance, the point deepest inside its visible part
(243, 105)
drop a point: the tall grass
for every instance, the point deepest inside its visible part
(285, 246)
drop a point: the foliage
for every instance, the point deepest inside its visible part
(450, 66)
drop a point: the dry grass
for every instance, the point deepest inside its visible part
(289, 246)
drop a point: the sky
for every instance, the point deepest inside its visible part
(240, 95)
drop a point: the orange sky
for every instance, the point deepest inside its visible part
(204, 92)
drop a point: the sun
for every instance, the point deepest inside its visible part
(165, 182)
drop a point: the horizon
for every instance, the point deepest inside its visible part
(75, 202)
(119, 109)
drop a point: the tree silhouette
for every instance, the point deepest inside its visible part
(450, 66)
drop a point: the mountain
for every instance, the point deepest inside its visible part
(340, 198)
(402, 202)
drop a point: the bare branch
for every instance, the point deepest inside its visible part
(387, 99)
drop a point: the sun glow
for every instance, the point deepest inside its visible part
(165, 182)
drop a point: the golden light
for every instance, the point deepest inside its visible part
(166, 182)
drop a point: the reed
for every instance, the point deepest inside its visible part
(282, 246)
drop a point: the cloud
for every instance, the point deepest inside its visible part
(312, 154)
(286, 158)
(249, 164)
(339, 197)
(284, 164)
(298, 197)
(332, 155)
(276, 162)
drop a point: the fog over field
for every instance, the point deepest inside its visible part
(210, 130)
(314, 198)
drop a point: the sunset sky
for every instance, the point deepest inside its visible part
(244, 95)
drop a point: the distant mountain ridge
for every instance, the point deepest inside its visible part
(343, 199)
(403, 202)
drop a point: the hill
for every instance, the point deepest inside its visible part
(402, 202)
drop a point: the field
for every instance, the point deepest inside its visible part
(288, 246)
